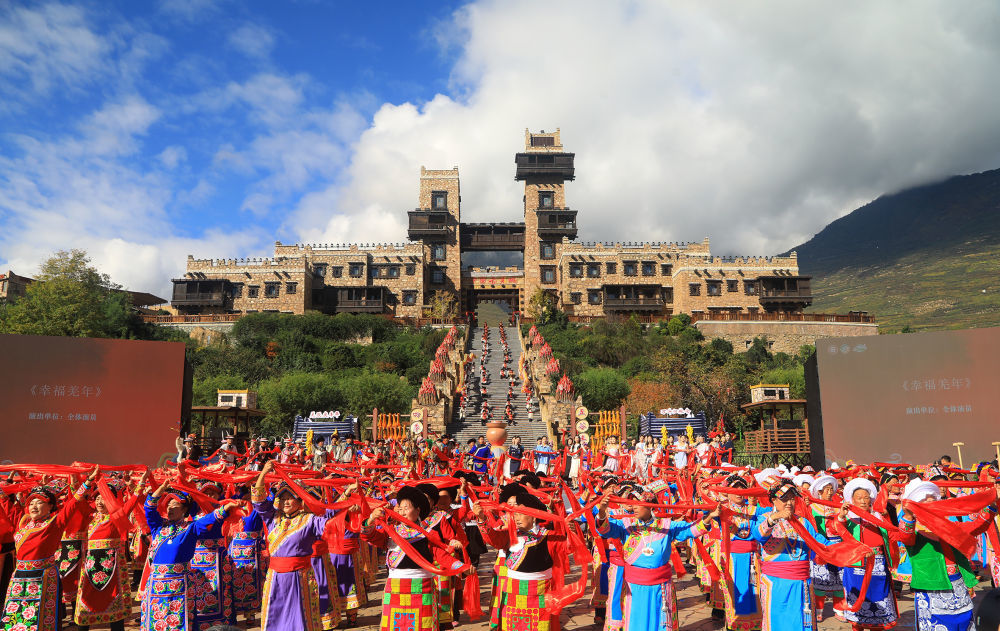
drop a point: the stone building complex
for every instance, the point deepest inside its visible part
(467, 263)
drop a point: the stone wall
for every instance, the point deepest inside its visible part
(785, 337)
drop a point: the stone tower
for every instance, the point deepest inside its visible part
(544, 167)
(435, 222)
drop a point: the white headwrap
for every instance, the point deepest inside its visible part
(821, 483)
(859, 483)
(834, 466)
(764, 474)
(782, 468)
(793, 470)
(803, 477)
(918, 490)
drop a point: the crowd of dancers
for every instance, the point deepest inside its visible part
(299, 546)
(509, 374)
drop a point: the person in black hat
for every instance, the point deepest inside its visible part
(410, 589)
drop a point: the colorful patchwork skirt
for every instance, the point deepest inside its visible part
(165, 602)
(244, 550)
(410, 604)
(212, 584)
(522, 606)
(103, 594)
(32, 597)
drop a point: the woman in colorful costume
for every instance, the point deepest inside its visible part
(32, 601)
(212, 570)
(345, 556)
(245, 551)
(103, 595)
(649, 598)
(739, 578)
(410, 598)
(531, 556)
(168, 600)
(786, 594)
(290, 600)
(879, 610)
(827, 579)
(942, 576)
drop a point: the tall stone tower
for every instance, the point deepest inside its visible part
(544, 167)
(435, 223)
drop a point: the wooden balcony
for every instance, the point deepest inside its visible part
(556, 223)
(428, 223)
(633, 304)
(492, 236)
(544, 166)
(199, 293)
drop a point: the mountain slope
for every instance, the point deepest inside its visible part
(926, 257)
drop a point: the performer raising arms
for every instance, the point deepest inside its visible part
(166, 602)
(648, 591)
(33, 594)
(103, 595)
(291, 596)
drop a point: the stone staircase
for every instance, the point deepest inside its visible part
(493, 314)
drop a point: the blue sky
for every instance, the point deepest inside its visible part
(147, 131)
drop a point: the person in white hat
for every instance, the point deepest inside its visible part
(826, 577)
(879, 610)
(942, 579)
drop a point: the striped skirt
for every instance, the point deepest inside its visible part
(521, 606)
(410, 604)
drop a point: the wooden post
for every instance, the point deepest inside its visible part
(959, 447)
(374, 424)
(996, 444)
(621, 419)
(572, 421)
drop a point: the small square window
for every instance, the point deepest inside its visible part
(271, 290)
(546, 199)
(594, 296)
(393, 271)
(236, 290)
(593, 270)
(409, 297)
(732, 285)
(547, 251)
(548, 274)
(253, 291)
(411, 269)
(714, 287)
(437, 277)
(750, 287)
(668, 295)
(648, 268)
(439, 200)
(629, 268)
(337, 271)
(438, 252)
(694, 289)
(612, 268)
(357, 270)
(576, 270)
(575, 297)
(666, 269)
(319, 269)
(290, 288)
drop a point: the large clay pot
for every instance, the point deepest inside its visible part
(496, 433)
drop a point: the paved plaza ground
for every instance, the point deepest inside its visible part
(695, 614)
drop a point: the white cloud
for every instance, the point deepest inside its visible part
(752, 124)
(48, 47)
(252, 40)
(172, 156)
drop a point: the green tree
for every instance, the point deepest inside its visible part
(205, 391)
(297, 393)
(71, 298)
(602, 388)
(678, 323)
